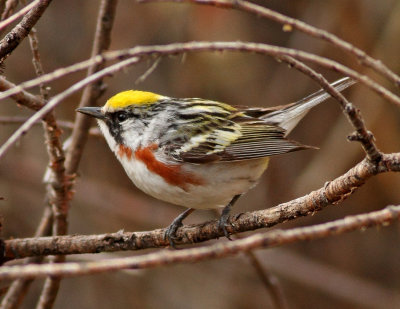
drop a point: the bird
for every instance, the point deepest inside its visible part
(198, 153)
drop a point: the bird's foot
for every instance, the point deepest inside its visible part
(170, 232)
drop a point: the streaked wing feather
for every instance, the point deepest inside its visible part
(257, 140)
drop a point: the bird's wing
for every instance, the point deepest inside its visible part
(233, 137)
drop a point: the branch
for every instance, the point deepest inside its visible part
(79, 136)
(93, 91)
(275, 238)
(22, 97)
(17, 15)
(270, 281)
(179, 48)
(60, 97)
(174, 49)
(353, 115)
(20, 31)
(292, 23)
(333, 192)
(19, 288)
(64, 124)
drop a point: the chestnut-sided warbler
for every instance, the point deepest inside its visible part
(198, 153)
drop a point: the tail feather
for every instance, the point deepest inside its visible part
(287, 118)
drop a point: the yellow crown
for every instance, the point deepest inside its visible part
(131, 97)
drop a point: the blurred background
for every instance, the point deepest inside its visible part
(358, 270)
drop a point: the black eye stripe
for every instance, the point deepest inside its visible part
(121, 116)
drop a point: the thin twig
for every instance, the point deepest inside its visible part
(20, 31)
(270, 281)
(178, 48)
(194, 46)
(79, 135)
(22, 97)
(219, 250)
(150, 70)
(8, 8)
(17, 15)
(331, 193)
(19, 288)
(60, 97)
(353, 115)
(57, 189)
(69, 125)
(93, 91)
(295, 24)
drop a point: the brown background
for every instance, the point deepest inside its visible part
(359, 270)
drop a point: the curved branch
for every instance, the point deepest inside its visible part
(293, 23)
(220, 250)
(332, 193)
(178, 48)
(60, 97)
(141, 52)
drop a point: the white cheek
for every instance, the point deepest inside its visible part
(110, 140)
(131, 137)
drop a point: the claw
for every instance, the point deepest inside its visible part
(170, 232)
(223, 224)
(224, 219)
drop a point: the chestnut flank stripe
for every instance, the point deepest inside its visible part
(172, 174)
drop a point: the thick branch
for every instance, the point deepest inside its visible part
(220, 250)
(332, 193)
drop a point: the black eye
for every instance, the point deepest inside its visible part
(121, 116)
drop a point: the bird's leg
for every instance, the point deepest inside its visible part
(223, 220)
(170, 233)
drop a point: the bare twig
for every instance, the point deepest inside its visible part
(274, 238)
(295, 24)
(2, 7)
(53, 142)
(353, 115)
(269, 280)
(150, 70)
(79, 135)
(94, 131)
(20, 31)
(9, 7)
(179, 48)
(93, 91)
(19, 288)
(37, 63)
(21, 97)
(57, 189)
(17, 15)
(60, 97)
(333, 192)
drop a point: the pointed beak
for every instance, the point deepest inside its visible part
(92, 111)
